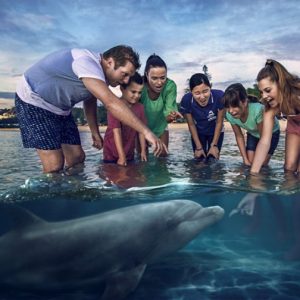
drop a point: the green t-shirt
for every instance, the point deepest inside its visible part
(255, 116)
(157, 110)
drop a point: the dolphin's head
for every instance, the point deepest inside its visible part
(184, 221)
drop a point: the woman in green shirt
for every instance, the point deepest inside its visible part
(159, 98)
(244, 111)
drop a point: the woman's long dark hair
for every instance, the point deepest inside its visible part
(288, 85)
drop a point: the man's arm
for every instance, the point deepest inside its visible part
(90, 110)
(120, 111)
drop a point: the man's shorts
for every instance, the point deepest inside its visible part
(42, 129)
(252, 142)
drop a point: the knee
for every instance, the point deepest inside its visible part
(80, 157)
(53, 168)
(75, 158)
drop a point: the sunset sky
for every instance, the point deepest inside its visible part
(233, 38)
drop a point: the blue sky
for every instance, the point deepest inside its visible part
(233, 38)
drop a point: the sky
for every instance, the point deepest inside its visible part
(233, 38)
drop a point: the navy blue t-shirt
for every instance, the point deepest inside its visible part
(204, 117)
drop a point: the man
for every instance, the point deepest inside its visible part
(50, 88)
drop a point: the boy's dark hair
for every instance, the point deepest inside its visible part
(137, 78)
(121, 54)
(152, 62)
(235, 94)
(197, 79)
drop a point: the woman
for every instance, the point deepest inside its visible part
(204, 112)
(244, 111)
(159, 98)
(280, 91)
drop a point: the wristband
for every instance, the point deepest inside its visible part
(214, 145)
(198, 149)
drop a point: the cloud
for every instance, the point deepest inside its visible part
(233, 38)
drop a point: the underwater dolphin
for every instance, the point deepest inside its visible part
(111, 248)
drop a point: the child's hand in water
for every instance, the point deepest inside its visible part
(143, 156)
(122, 162)
(199, 153)
(214, 151)
(246, 205)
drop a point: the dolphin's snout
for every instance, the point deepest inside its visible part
(211, 212)
(218, 210)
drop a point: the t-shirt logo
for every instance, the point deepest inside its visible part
(211, 116)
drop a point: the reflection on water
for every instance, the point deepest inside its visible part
(245, 256)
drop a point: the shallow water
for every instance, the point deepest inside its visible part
(241, 257)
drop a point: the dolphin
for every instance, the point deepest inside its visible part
(111, 249)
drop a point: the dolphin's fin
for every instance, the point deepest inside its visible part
(21, 217)
(119, 285)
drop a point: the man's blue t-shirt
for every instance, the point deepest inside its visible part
(204, 117)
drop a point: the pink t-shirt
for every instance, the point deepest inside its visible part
(110, 152)
(293, 124)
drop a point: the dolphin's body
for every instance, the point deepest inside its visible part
(113, 248)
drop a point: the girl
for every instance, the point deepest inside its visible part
(244, 111)
(159, 98)
(280, 91)
(204, 112)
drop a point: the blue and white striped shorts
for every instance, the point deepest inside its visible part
(42, 129)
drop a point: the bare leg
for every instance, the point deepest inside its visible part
(52, 160)
(250, 155)
(73, 154)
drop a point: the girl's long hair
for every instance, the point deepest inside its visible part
(288, 85)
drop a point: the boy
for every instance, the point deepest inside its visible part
(120, 139)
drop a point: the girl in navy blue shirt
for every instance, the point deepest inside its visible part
(204, 111)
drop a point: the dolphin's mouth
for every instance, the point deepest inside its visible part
(212, 212)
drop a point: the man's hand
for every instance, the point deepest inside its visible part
(157, 144)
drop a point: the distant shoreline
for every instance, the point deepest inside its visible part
(172, 126)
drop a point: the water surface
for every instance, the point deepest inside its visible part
(241, 257)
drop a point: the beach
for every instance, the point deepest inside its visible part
(175, 126)
(172, 126)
